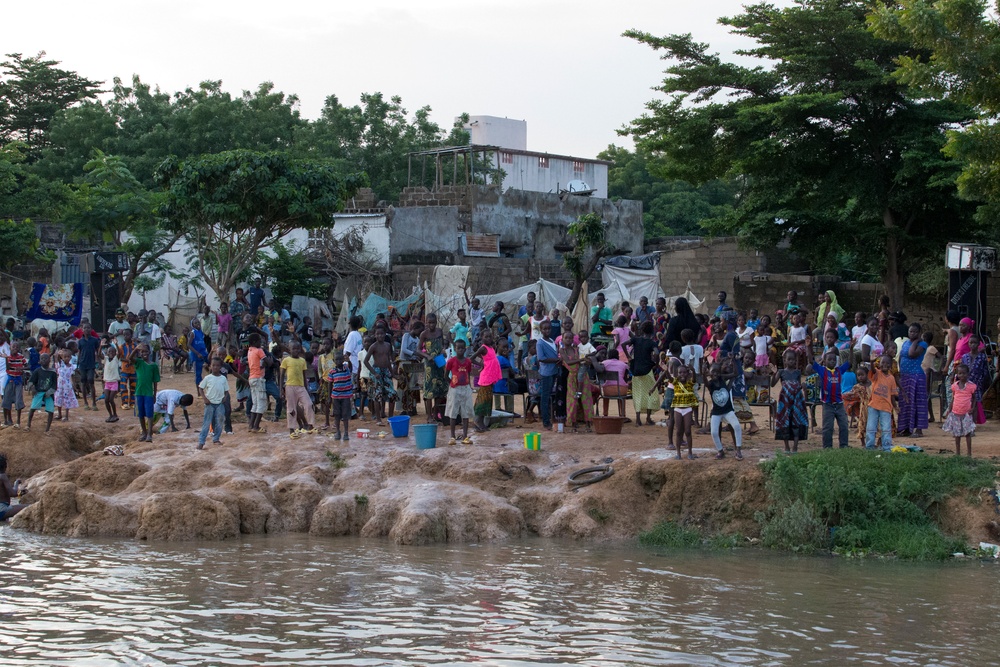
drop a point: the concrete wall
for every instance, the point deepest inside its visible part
(533, 225)
(708, 264)
(496, 131)
(377, 234)
(424, 235)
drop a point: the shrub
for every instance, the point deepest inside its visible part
(879, 503)
(670, 534)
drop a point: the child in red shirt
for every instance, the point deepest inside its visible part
(13, 395)
(460, 401)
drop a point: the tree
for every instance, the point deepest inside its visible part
(828, 150)
(32, 92)
(288, 274)
(230, 205)
(375, 137)
(960, 63)
(147, 283)
(590, 243)
(112, 206)
(669, 207)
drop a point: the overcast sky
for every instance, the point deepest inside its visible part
(561, 66)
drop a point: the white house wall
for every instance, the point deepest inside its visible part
(525, 172)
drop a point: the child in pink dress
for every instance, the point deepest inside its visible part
(960, 421)
(65, 397)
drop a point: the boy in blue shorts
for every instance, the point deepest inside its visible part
(44, 380)
(147, 379)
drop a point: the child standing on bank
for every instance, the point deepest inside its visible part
(13, 393)
(213, 390)
(831, 378)
(963, 403)
(291, 378)
(884, 394)
(65, 396)
(791, 421)
(683, 405)
(720, 377)
(111, 377)
(341, 380)
(44, 380)
(147, 378)
(459, 404)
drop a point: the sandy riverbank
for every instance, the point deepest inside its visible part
(491, 490)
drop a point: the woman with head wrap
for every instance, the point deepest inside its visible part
(828, 307)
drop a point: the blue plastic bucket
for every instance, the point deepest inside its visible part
(441, 361)
(400, 426)
(426, 435)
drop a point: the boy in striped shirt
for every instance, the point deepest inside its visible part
(342, 395)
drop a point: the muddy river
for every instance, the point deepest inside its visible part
(292, 600)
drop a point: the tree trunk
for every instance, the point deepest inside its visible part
(893, 278)
(588, 269)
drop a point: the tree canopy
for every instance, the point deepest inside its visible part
(669, 207)
(32, 91)
(111, 206)
(960, 62)
(230, 205)
(828, 149)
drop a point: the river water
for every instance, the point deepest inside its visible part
(295, 600)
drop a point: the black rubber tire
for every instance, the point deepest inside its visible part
(605, 472)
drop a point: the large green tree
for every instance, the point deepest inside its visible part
(376, 137)
(112, 206)
(230, 205)
(829, 150)
(962, 63)
(669, 207)
(32, 91)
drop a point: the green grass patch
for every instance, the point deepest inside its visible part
(672, 535)
(336, 460)
(858, 502)
(675, 536)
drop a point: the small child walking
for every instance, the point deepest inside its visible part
(720, 377)
(963, 403)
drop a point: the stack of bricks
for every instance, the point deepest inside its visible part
(447, 195)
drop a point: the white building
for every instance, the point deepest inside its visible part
(531, 170)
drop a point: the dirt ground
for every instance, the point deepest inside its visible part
(87, 431)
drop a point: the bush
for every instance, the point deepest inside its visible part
(796, 528)
(878, 503)
(670, 534)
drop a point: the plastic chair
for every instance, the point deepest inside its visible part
(611, 377)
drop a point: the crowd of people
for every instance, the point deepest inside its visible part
(871, 374)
